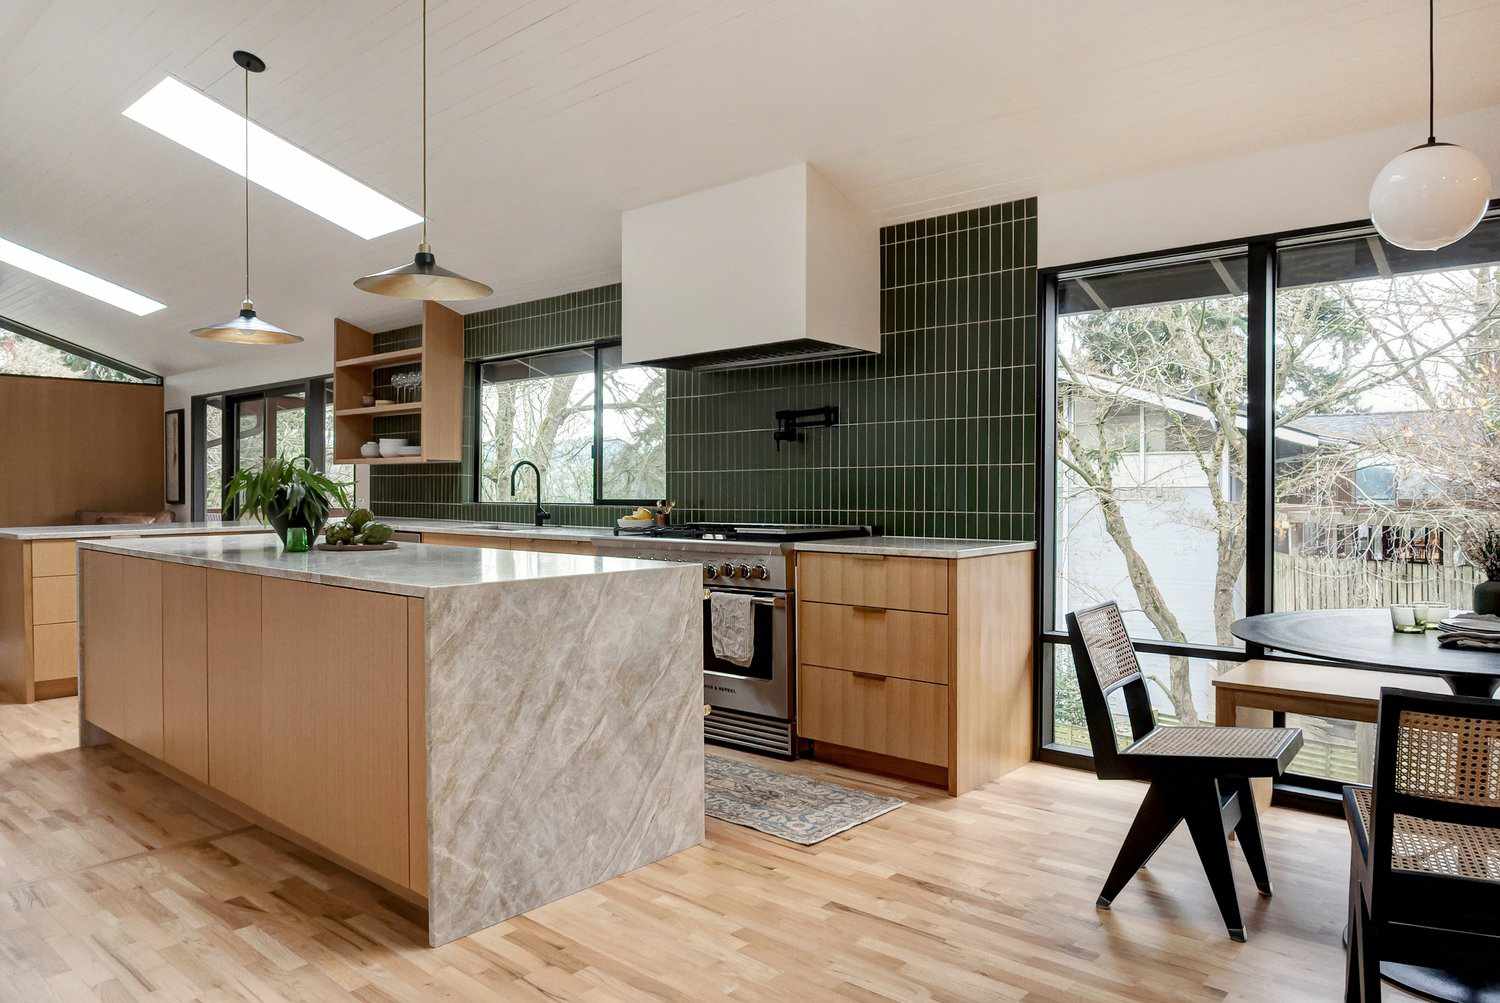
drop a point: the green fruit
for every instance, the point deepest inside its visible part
(377, 532)
(359, 517)
(339, 533)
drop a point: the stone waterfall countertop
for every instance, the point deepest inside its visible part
(917, 546)
(412, 569)
(84, 532)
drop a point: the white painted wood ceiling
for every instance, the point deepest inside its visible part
(550, 117)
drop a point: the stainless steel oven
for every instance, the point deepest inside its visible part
(764, 686)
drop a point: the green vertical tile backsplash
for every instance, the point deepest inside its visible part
(936, 434)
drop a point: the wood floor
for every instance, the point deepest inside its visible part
(119, 886)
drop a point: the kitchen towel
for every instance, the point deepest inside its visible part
(733, 627)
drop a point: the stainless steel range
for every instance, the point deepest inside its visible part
(753, 706)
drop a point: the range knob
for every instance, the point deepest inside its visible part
(759, 572)
(726, 570)
(743, 570)
(710, 571)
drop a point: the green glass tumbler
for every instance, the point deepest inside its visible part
(296, 540)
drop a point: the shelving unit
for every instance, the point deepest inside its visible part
(439, 412)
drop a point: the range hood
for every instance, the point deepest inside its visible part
(776, 268)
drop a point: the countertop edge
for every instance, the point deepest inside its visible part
(32, 534)
(898, 546)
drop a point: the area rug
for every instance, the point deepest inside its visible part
(781, 804)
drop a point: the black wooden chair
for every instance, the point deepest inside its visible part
(1424, 881)
(1200, 775)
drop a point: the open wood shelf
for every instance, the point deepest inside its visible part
(381, 459)
(439, 412)
(407, 408)
(380, 359)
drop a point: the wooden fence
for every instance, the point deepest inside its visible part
(1304, 582)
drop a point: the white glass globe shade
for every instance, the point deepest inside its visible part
(1430, 196)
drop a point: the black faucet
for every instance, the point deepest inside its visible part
(541, 515)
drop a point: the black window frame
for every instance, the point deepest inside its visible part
(312, 388)
(144, 376)
(597, 349)
(1316, 793)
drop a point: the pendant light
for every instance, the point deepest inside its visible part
(1433, 194)
(423, 279)
(247, 328)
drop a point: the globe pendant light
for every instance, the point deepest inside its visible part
(423, 279)
(247, 328)
(1433, 194)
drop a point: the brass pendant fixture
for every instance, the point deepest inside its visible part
(247, 328)
(423, 279)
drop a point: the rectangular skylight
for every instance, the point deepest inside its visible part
(74, 278)
(188, 117)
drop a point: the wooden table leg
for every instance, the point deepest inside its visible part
(1228, 714)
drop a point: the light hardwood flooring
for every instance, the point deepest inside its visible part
(118, 885)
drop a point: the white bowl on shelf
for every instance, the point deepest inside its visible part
(370, 449)
(391, 447)
(636, 524)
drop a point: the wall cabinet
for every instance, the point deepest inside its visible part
(916, 666)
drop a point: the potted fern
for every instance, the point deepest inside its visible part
(1483, 551)
(285, 492)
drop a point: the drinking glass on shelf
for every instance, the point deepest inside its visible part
(414, 382)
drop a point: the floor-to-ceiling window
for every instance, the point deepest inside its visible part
(1192, 485)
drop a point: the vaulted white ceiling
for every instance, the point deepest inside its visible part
(549, 117)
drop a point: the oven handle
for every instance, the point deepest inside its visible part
(779, 602)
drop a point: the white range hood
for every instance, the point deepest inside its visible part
(776, 268)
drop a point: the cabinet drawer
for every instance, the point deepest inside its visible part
(54, 600)
(54, 557)
(457, 540)
(54, 651)
(890, 716)
(886, 642)
(914, 583)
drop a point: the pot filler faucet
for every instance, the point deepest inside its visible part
(541, 515)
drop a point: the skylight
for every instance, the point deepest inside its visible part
(188, 117)
(77, 279)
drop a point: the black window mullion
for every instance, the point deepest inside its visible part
(598, 427)
(1044, 587)
(1260, 503)
(198, 419)
(314, 415)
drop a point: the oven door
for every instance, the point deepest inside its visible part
(765, 685)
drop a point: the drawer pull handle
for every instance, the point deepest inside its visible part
(870, 609)
(869, 675)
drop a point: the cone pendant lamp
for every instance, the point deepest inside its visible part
(247, 328)
(423, 279)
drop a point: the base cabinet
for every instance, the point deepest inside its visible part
(187, 665)
(916, 666)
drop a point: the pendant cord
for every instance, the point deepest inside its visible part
(247, 184)
(1431, 75)
(424, 121)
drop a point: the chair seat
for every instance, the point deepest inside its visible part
(1424, 846)
(1228, 751)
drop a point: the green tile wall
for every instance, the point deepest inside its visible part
(936, 434)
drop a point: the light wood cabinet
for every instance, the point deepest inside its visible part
(343, 706)
(53, 557)
(440, 410)
(54, 651)
(916, 666)
(236, 705)
(54, 600)
(184, 663)
(123, 605)
(912, 583)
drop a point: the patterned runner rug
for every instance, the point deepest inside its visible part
(791, 807)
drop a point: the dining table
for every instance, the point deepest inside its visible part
(1363, 638)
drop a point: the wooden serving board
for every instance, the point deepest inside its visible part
(336, 547)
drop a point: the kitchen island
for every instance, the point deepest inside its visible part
(478, 731)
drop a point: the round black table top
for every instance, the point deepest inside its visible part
(1363, 637)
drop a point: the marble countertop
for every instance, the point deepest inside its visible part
(917, 546)
(413, 569)
(890, 546)
(81, 532)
